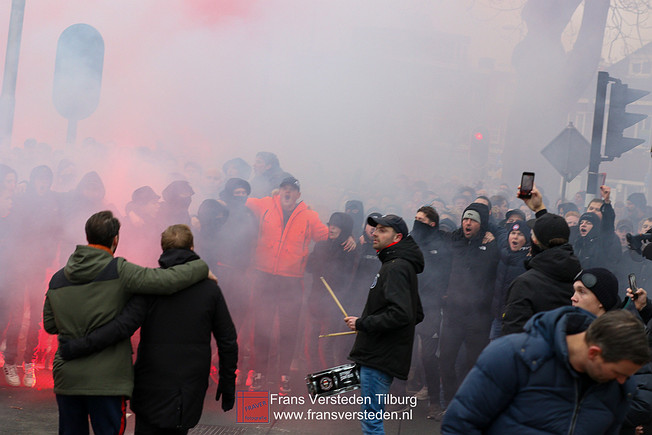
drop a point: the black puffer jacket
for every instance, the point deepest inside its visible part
(548, 284)
(393, 308)
(640, 410)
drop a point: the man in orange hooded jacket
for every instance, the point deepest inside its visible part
(286, 228)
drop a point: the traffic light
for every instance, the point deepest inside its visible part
(479, 146)
(616, 144)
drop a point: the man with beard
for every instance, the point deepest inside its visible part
(467, 302)
(367, 265)
(433, 281)
(383, 345)
(548, 282)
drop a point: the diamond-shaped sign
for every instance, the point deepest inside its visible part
(568, 153)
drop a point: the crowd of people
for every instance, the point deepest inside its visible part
(491, 263)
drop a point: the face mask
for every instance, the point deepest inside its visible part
(420, 230)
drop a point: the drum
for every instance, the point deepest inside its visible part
(334, 381)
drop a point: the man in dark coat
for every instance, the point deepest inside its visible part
(467, 303)
(234, 246)
(595, 247)
(432, 284)
(548, 282)
(174, 354)
(383, 346)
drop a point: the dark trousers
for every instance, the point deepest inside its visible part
(282, 295)
(470, 329)
(144, 427)
(107, 413)
(430, 362)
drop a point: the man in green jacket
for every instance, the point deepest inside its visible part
(89, 291)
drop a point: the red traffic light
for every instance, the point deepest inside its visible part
(478, 136)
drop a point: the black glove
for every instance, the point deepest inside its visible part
(64, 348)
(226, 390)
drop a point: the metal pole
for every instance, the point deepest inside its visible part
(71, 136)
(596, 137)
(8, 96)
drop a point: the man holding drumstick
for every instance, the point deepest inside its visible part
(383, 345)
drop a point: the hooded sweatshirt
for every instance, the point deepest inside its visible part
(547, 284)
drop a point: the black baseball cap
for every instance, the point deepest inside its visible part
(291, 181)
(389, 220)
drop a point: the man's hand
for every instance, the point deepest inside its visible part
(641, 298)
(488, 238)
(605, 192)
(535, 202)
(211, 276)
(227, 392)
(64, 348)
(349, 244)
(350, 322)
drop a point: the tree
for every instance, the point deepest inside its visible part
(550, 80)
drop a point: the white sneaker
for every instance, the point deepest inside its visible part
(11, 374)
(30, 377)
(422, 394)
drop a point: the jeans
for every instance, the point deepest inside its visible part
(373, 382)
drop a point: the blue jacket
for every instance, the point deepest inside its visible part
(523, 384)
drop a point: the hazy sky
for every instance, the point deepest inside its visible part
(317, 81)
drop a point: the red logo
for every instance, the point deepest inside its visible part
(252, 407)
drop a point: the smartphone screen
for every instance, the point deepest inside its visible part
(632, 284)
(527, 183)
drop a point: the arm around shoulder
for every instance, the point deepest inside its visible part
(144, 280)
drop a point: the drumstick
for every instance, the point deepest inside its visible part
(334, 297)
(338, 333)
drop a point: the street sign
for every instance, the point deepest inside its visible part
(568, 153)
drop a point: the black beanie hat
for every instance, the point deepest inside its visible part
(591, 217)
(604, 286)
(548, 227)
(521, 227)
(343, 221)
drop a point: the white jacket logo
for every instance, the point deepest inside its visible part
(483, 248)
(373, 284)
